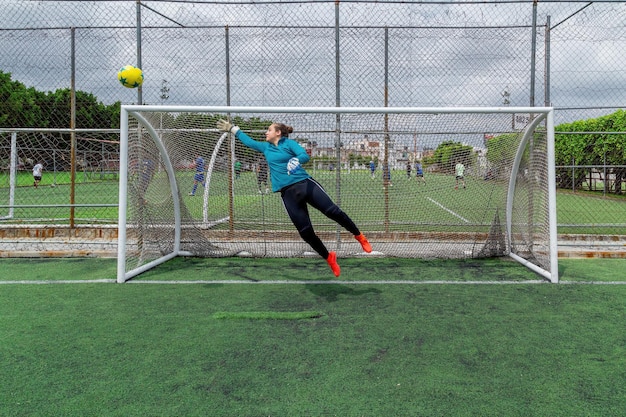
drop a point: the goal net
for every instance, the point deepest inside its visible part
(419, 182)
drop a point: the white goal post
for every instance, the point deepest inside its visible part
(12, 178)
(187, 189)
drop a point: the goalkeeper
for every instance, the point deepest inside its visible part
(284, 157)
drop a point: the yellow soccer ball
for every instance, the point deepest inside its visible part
(130, 77)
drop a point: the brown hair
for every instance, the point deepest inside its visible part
(284, 129)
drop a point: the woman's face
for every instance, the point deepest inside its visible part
(272, 135)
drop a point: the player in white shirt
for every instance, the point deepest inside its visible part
(37, 171)
(459, 171)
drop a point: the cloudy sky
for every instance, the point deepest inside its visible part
(456, 53)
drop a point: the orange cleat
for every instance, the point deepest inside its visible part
(332, 262)
(364, 243)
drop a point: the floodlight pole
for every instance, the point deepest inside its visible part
(533, 55)
(164, 96)
(506, 100)
(140, 88)
(547, 100)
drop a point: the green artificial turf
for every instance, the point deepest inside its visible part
(312, 349)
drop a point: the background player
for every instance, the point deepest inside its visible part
(459, 171)
(199, 175)
(261, 176)
(37, 173)
(419, 172)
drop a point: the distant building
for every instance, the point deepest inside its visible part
(367, 149)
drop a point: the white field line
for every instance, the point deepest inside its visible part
(448, 210)
(62, 281)
(316, 282)
(334, 282)
(275, 282)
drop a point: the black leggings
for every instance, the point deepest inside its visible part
(297, 196)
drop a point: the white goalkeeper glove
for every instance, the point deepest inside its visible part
(226, 126)
(293, 165)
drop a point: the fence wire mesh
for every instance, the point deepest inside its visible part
(565, 54)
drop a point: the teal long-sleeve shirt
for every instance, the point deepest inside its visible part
(277, 157)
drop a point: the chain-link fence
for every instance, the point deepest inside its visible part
(566, 54)
(87, 194)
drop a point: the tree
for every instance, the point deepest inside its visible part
(19, 106)
(448, 154)
(592, 147)
(22, 107)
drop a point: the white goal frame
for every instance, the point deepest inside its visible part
(543, 115)
(12, 178)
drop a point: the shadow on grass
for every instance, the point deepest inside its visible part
(332, 292)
